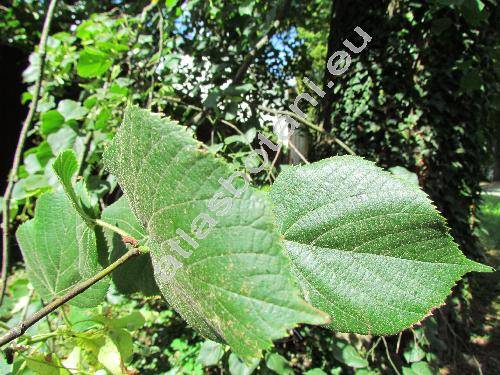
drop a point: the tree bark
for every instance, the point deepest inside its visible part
(335, 37)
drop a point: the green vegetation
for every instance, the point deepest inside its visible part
(180, 238)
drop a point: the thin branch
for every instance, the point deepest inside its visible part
(178, 101)
(457, 337)
(198, 109)
(112, 228)
(19, 330)
(399, 341)
(79, 288)
(372, 349)
(309, 124)
(250, 57)
(389, 356)
(20, 145)
(270, 173)
(296, 150)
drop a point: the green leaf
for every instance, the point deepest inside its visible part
(368, 248)
(472, 11)
(123, 342)
(237, 366)
(109, 355)
(60, 250)
(137, 274)
(414, 354)
(71, 110)
(45, 365)
(102, 119)
(246, 8)
(52, 121)
(471, 81)
(418, 368)
(93, 63)
(235, 287)
(210, 353)
(66, 167)
(211, 100)
(316, 371)
(32, 164)
(130, 322)
(170, 3)
(62, 139)
(6, 368)
(30, 186)
(347, 354)
(405, 175)
(278, 364)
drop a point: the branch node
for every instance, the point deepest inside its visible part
(130, 240)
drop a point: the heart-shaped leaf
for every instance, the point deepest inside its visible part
(60, 250)
(216, 255)
(368, 248)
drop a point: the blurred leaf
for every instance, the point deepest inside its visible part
(211, 100)
(316, 371)
(123, 342)
(278, 364)
(109, 356)
(471, 81)
(246, 8)
(348, 355)
(61, 140)
(473, 11)
(239, 367)
(102, 119)
(30, 186)
(131, 322)
(31, 164)
(418, 368)
(93, 63)
(71, 110)
(405, 175)
(210, 353)
(51, 121)
(414, 354)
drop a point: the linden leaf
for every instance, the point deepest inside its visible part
(137, 274)
(368, 248)
(216, 255)
(66, 166)
(60, 250)
(93, 63)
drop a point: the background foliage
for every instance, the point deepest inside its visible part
(424, 95)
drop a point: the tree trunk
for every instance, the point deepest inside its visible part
(335, 37)
(496, 168)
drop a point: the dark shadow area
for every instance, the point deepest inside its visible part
(12, 63)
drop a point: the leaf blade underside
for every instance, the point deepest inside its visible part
(236, 286)
(60, 250)
(137, 274)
